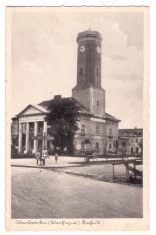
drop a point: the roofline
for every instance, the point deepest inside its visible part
(83, 113)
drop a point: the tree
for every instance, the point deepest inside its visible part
(63, 121)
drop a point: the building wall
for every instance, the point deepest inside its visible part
(98, 95)
(133, 142)
(114, 134)
(14, 128)
(82, 96)
(94, 131)
(89, 97)
(88, 61)
(135, 139)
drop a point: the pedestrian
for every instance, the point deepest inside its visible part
(56, 157)
(41, 159)
(38, 157)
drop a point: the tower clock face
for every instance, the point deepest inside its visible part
(82, 48)
(98, 49)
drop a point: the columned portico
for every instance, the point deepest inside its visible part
(27, 137)
(35, 134)
(20, 138)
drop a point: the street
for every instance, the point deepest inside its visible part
(42, 193)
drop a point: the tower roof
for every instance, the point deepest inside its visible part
(89, 33)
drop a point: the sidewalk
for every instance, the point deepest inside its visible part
(63, 161)
(49, 163)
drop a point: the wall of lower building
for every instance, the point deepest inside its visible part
(134, 144)
(14, 127)
(111, 135)
(14, 132)
(97, 138)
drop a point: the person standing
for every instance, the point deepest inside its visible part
(56, 157)
(38, 157)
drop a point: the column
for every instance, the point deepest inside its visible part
(20, 138)
(27, 138)
(44, 133)
(35, 134)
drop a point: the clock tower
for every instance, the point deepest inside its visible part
(88, 90)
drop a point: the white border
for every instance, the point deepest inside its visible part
(152, 5)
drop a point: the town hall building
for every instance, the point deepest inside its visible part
(96, 127)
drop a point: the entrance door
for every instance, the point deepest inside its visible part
(39, 144)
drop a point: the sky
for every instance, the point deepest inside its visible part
(44, 59)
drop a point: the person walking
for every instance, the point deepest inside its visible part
(56, 157)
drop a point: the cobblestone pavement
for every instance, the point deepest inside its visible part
(42, 193)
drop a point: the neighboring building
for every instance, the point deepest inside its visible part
(135, 140)
(96, 126)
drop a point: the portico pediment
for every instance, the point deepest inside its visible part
(30, 110)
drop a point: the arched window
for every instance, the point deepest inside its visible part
(97, 129)
(110, 146)
(97, 146)
(97, 103)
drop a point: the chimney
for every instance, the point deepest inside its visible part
(57, 97)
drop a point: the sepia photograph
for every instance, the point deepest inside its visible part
(77, 118)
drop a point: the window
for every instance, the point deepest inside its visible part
(32, 144)
(110, 146)
(31, 130)
(40, 130)
(82, 145)
(97, 146)
(81, 71)
(97, 103)
(110, 132)
(131, 141)
(83, 130)
(136, 140)
(114, 144)
(97, 130)
(24, 128)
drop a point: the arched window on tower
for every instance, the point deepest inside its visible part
(98, 103)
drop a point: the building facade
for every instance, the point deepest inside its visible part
(134, 138)
(97, 129)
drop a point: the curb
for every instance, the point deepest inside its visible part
(43, 167)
